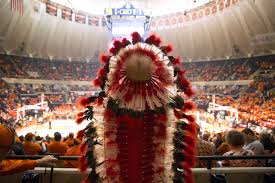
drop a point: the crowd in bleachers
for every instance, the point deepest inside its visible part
(229, 143)
(254, 101)
(236, 143)
(221, 70)
(30, 68)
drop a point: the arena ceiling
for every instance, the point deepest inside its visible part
(157, 7)
(239, 31)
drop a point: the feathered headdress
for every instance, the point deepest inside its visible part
(141, 86)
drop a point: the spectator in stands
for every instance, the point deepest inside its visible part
(223, 148)
(267, 141)
(206, 136)
(57, 146)
(73, 151)
(70, 141)
(251, 143)
(236, 140)
(18, 147)
(218, 140)
(39, 141)
(8, 167)
(273, 134)
(30, 147)
(21, 137)
(203, 148)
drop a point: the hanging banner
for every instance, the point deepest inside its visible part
(187, 18)
(227, 3)
(207, 11)
(80, 18)
(221, 5)
(180, 18)
(67, 14)
(261, 39)
(214, 9)
(51, 9)
(194, 15)
(93, 21)
(234, 1)
(167, 22)
(173, 21)
(201, 13)
(161, 22)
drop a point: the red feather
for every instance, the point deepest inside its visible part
(83, 163)
(189, 178)
(157, 42)
(80, 114)
(82, 102)
(176, 61)
(189, 140)
(101, 72)
(191, 128)
(150, 39)
(79, 120)
(125, 41)
(191, 160)
(190, 118)
(186, 167)
(117, 44)
(168, 48)
(188, 106)
(86, 180)
(80, 134)
(188, 150)
(177, 114)
(162, 130)
(82, 147)
(184, 82)
(96, 82)
(189, 92)
(181, 73)
(128, 97)
(162, 117)
(113, 50)
(135, 37)
(104, 58)
(159, 70)
(99, 101)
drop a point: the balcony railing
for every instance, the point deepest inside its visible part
(201, 175)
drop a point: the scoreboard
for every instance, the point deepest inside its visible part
(123, 21)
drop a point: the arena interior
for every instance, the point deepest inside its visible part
(51, 55)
